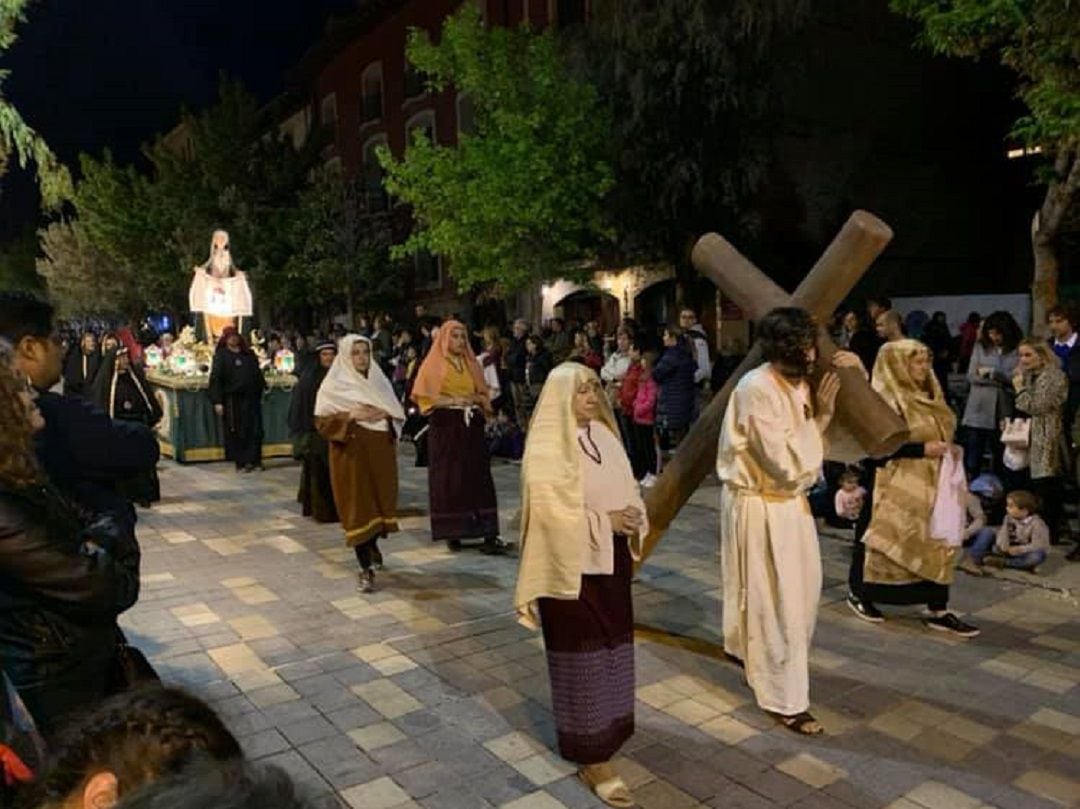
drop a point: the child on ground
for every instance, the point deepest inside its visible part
(1021, 543)
(645, 462)
(850, 497)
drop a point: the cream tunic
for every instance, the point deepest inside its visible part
(770, 454)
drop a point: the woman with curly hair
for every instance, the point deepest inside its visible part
(990, 399)
(65, 574)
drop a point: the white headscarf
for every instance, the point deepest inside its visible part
(344, 388)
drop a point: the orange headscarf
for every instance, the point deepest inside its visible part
(429, 379)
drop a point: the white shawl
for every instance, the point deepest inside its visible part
(344, 388)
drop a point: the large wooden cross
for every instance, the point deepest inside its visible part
(878, 430)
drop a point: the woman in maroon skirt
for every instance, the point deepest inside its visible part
(450, 389)
(582, 526)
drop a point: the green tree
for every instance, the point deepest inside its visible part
(80, 279)
(521, 198)
(691, 86)
(223, 168)
(16, 136)
(1039, 40)
(340, 251)
(17, 257)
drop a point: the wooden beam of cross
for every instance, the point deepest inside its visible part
(875, 426)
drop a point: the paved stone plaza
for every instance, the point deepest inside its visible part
(429, 694)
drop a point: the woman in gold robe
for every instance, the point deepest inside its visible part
(896, 560)
(357, 413)
(451, 390)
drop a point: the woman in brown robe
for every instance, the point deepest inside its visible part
(357, 413)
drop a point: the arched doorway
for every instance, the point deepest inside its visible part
(655, 306)
(586, 305)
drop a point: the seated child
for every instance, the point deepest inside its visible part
(1021, 543)
(850, 497)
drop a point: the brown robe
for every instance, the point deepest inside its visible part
(363, 474)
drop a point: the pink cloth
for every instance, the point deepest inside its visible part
(849, 504)
(645, 401)
(949, 517)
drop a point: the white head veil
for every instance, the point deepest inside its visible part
(344, 387)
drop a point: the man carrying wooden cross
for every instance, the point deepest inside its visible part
(771, 452)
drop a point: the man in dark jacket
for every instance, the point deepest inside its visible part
(1065, 344)
(82, 450)
(516, 357)
(675, 373)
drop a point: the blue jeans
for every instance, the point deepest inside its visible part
(984, 543)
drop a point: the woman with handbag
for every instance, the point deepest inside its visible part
(990, 397)
(65, 576)
(1041, 390)
(896, 559)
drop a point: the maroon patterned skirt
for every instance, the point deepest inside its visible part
(461, 492)
(590, 654)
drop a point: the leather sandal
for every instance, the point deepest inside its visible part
(613, 792)
(805, 724)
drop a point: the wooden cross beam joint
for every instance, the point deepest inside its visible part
(874, 425)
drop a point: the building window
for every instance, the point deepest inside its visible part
(466, 115)
(414, 81)
(374, 194)
(421, 122)
(371, 94)
(570, 12)
(328, 109)
(427, 271)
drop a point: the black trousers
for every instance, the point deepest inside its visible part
(365, 553)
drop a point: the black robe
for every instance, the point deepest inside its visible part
(316, 495)
(126, 396)
(79, 372)
(237, 383)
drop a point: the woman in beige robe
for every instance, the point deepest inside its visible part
(582, 525)
(357, 412)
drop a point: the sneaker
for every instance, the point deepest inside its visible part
(970, 566)
(493, 546)
(950, 623)
(648, 481)
(366, 582)
(867, 612)
(454, 545)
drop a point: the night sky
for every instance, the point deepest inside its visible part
(90, 74)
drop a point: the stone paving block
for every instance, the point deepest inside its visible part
(1054, 787)
(811, 770)
(425, 779)
(387, 698)
(308, 730)
(382, 793)
(535, 800)
(375, 736)
(935, 795)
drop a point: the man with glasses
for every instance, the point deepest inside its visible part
(82, 450)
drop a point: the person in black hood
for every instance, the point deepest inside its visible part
(121, 390)
(82, 364)
(316, 497)
(236, 389)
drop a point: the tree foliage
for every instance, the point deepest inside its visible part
(341, 250)
(17, 262)
(16, 136)
(223, 168)
(522, 196)
(81, 280)
(1040, 41)
(690, 84)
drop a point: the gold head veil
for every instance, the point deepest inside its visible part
(923, 407)
(554, 527)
